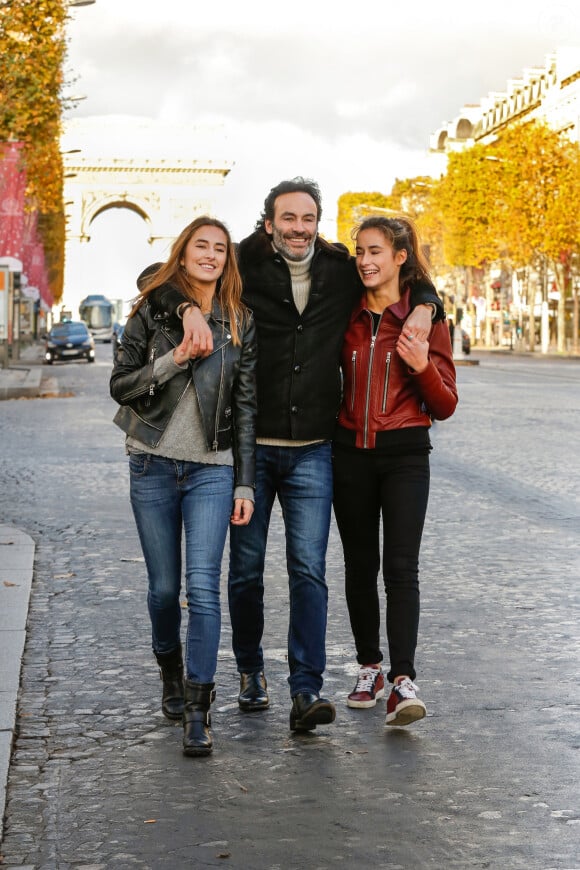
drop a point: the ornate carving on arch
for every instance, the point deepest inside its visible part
(93, 203)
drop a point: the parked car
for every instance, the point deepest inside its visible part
(69, 340)
(118, 330)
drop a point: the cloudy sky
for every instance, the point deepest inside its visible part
(346, 94)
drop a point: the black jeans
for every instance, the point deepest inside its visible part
(368, 484)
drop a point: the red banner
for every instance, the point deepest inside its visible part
(29, 240)
(12, 187)
(33, 261)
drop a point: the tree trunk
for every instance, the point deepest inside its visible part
(560, 271)
(575, 324)
(531, 299)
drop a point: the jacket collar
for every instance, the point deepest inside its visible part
(218, 313)
(400, 309)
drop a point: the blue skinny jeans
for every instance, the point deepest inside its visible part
(169, 497)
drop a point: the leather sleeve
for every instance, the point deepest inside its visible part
(244, 409)
(132, 374)
(164, 301)
(423, 291)
(437, 384)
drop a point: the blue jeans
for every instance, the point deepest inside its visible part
(167, 497)
(301, 477)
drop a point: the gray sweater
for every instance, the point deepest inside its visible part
(184, 439)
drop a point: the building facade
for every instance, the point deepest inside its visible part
(550, 93)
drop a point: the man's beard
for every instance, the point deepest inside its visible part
(280, 244)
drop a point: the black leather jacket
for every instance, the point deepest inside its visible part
(298, 373)
(224, 383)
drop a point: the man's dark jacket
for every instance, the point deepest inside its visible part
(298, 374)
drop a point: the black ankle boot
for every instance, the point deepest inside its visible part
(253, 692)
(308, 711)
(197, 738)
(171, 672)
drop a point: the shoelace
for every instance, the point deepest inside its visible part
(406, 688)
(366, 679)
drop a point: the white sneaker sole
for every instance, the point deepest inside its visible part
(407, 712)
(359, 705)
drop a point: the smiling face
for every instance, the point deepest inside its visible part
(377, 263)
(294, 226)
(205, 255)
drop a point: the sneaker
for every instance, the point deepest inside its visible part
(403, 705)
(370, 686)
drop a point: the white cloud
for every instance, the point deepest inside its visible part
(346, 94)
(361, 108)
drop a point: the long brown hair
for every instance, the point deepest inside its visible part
(402, 234)
(229, 285)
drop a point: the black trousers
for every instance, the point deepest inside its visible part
(369, 484)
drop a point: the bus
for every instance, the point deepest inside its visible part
(98, 313)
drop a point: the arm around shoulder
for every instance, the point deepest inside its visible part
(423, 292)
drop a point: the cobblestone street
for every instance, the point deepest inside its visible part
(489, 780)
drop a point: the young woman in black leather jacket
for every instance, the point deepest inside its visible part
(190, 437)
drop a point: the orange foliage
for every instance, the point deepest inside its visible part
(32, 52)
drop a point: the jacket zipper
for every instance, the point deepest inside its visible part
(219, 404)
(151, 363)
(386, 387)
(368, 396)
(353, 375)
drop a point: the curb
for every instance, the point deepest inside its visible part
(23, 380)
(20, 383)
(16, 570)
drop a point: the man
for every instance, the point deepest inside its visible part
(301, 290)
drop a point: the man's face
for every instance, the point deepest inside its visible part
(294, 226)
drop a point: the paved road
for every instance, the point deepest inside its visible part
(489, 779)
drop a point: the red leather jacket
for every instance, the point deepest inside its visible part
(380, 391)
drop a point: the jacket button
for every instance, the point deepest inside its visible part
(297, 369)
(299, 328)
(294, 409)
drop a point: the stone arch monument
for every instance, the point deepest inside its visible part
(103, 171)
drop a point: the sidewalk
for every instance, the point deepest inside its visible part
(16, 566)
(23, 377)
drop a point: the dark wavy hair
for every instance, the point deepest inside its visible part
(293, 185)
(402, 234)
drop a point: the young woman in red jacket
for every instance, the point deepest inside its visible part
(395, 383)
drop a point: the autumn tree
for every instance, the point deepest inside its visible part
(32, 52)
(414, 197)
(350, 206)
(537, 172)
(466, 198)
